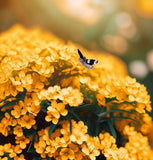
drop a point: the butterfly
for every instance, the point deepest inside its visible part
(88, 63)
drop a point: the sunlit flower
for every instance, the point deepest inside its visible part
(18, 131)
(19, 109)
(27, 121)
(138, 145)
(16, 150)
(22, 141)
(66, 154)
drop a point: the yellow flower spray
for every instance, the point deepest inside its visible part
(52, 107)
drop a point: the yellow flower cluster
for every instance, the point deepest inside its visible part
(12, 150)
(45, 95)
(64, 145)
(137, 146)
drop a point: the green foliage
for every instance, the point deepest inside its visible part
(19, 97)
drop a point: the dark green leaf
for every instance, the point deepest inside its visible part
(127, 118)
(113, 132)
(113, 110)
(32, 150)
(97, 127)
(47, 158)
(51, 129)
(98, 108)
(86, 106)
(6, 99)
(44, 104)
(7, 104)
(28, 132)
(110, 99)
(69, 118)
(75, 115)
(23, 94)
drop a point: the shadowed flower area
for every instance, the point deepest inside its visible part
(52, 107)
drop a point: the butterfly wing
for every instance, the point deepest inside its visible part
(91, 61)
(80, 54)
(88, 66)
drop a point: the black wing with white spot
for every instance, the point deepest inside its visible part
(91, 61)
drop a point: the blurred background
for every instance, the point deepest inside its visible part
(122, 28)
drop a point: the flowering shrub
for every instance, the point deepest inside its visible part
(51, 107)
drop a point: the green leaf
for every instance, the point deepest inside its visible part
(19, 97)
(69, 118)
(112, 111)
(127, 118)
(23, 94)
(6, 99)
(28, 132)
(112, 128)
(97, 127)
(44, 104)
(110, 99)
(7, 104)
(98, 108)
(86, 106)
(32, 150)
(75, 115)
(47, 158)
(51, 129)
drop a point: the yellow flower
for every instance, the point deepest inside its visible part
(18, 131)
(54, 111)
(16, 150)
(78, 132)
(52, 116)
(5, 123)
(22, 141)
(27, 121)
(3, 76)
(19, 110)
(67, 95)
(40, 146)
(49, 70)
(60, 107)
(137, 145)
(66, 154)
(21, 157)
(74, 147)
(91, 148)
(101, 99)
(1, 150)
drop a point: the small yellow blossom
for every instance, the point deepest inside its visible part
(22, 141)
(19, 110)
(54, 112)
(78, 132)
(18, 131)
(27, 121)
(138, 145)
(66, 154)
(21, 157)
(91, 148)
(16, 150)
